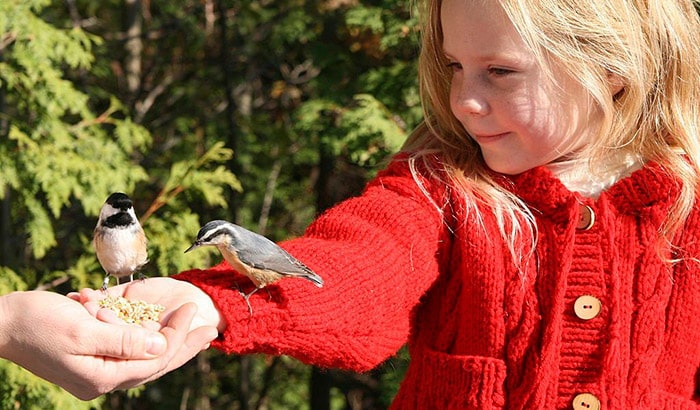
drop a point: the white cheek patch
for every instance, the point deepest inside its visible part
(107, 211)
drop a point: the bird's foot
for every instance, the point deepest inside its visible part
(246, 297)
(247, 302)
(105, 283)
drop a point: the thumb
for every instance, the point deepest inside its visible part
(130, 342)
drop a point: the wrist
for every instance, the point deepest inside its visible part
(207, 310)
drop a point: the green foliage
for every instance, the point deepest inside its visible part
(364, 131)
(170, 231)
(10, 281)
(22, 390)
(194, 174)
(392, 374)
(240, 110)
(63, 151)
(56, 147)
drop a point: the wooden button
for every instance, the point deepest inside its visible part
(586, 218)
(586, 401)
(587, 307)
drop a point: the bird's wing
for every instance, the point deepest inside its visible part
(270, 256)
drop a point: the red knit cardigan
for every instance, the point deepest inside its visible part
(481, 333)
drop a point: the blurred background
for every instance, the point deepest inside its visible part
(261, 112)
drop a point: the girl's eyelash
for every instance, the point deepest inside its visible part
(499, 70)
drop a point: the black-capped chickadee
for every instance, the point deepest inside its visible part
(119, 240)
(252, 255)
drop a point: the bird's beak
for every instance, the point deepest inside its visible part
(195, 245)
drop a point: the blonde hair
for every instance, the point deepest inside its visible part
(651, 46)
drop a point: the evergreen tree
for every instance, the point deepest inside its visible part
(171, 102)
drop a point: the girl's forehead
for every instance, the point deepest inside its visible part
(480, 27)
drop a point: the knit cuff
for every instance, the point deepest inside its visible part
(224, 285)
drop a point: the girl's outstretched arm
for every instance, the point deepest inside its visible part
(377, 254)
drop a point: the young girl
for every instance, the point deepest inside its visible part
(536, 243)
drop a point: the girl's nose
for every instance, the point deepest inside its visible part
(466, 98)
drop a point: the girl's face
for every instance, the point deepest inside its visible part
(520, 116)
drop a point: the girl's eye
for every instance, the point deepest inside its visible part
(454, 66)
(499, 71)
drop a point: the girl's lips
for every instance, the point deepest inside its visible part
(489, 138)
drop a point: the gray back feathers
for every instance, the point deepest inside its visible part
(255, 250)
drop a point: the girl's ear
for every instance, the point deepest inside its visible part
(616, 84)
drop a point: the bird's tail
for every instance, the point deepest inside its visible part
(306, 271)
(313, 277)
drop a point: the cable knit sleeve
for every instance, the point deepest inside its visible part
(377, 254)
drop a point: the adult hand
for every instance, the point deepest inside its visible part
(56, 338)
(164, 291)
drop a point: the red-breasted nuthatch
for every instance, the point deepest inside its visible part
(252, 255)
(119, 240)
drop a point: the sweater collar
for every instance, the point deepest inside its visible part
(590, 180)
(649, 186)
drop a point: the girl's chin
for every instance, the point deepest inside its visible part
(508, 167)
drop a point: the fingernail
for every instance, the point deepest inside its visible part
(155, 345)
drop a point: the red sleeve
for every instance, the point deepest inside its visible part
(377, 254)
